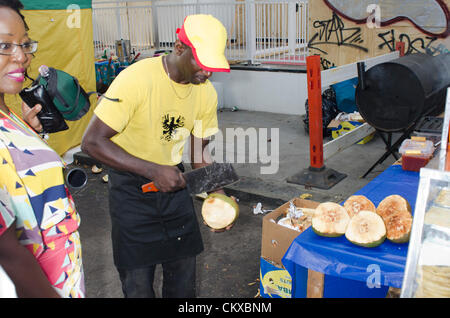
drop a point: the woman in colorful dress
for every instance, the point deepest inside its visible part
(40, 246)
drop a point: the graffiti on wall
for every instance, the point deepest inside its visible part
(431, 17)
(418, 44)
(333, 32)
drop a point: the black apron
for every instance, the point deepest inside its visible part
(150, 228)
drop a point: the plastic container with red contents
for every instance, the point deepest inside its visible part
(416, 153)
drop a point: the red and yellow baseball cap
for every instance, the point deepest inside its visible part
(207, 37)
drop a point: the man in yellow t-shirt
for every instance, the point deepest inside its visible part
(139, 130)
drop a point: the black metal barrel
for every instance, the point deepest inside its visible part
(394, 95)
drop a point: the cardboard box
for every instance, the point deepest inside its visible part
(275, 281)
(339, 128)
(276, 238)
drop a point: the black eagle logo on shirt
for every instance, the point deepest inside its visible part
(170, 125)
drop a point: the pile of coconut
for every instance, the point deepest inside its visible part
(364, 224)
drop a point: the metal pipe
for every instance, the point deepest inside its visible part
(361, 75)
(75, 178)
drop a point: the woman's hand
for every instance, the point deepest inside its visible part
(30, 116)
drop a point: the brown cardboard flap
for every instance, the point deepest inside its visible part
(334, 123)
(276, 238)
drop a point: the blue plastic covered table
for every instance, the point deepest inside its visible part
(338, 257)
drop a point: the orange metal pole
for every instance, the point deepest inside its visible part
(315, 111)
(447, 159)
(447, 155)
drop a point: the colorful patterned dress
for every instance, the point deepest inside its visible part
(33, 194)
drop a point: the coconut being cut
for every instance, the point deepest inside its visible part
(219, 211)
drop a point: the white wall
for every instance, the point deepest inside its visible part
(266, 91)
(7, 289)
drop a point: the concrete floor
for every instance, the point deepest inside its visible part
(229, 265)
(293, 145)
(227, 268)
